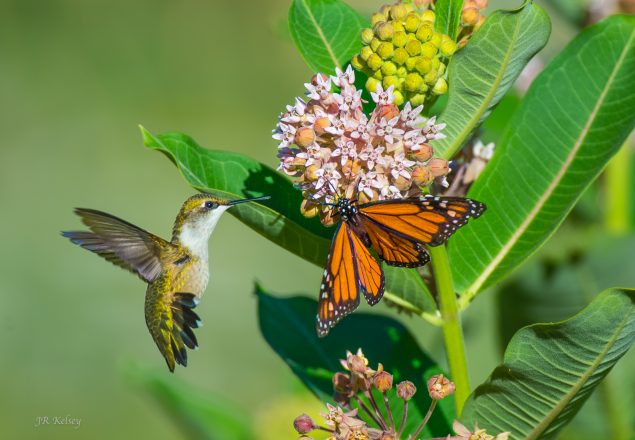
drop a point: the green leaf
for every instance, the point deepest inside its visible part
(200, 415)
(448, 17)
(481, 73)
(279, 219)
(326, 32)
(574, 117)
(234, 175)
(549, 370)
(288, 325)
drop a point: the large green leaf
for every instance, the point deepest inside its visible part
(556, 286)
(200, 415)
(326, 32)
(234, 175)
(549, 370)
(288, 325)
(575, 116)
(448, 17)
(483, 71)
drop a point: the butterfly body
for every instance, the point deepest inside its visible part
(397, 231)
(176, 271)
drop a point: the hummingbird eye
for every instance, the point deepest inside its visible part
(211, 205)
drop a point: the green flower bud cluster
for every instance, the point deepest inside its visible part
(403, 50)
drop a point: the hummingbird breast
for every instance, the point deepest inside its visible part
(192, 277)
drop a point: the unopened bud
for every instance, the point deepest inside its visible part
(390, 80)
(387, 111)
(304, 424)
(398, 12)
(382, 381)
(342, 383)
(425, 32)
(388, 68)
(417, 99)
(428, 15)
(376, 18)
(365, 53)
(311, 173)
(422, 176)
(413, 82)
(440, 87)
(469, 16)
(421, 3)
(384, 31)
(439, 167)
(440, 387)
(367, 35)
(374, 61)
(374, 44)
(428, 50)
(431, 76)
(400, 56)
(385, 50)
(412, 22)
(357, 62)
(423, 65)
(406, 389)
(448, 48)
(413, 47)
(309, 209)
(371, 84)
(436, 39)
(304, 137)
(399, 99)
(321, 124)
(424, 153)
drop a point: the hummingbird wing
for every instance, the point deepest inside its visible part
(170, 319)
(120, 242)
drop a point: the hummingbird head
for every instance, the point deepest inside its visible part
(198, 218)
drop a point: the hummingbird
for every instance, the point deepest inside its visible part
(176, 271)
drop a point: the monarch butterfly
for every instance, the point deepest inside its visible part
(397, 231)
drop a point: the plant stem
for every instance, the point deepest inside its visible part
(452, 331)
(390, 417)
(433, 404)
(404, 416)
(616, 212)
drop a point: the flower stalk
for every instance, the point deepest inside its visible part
(452, 330)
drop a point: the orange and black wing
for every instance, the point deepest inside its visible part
(399, 229)
(350, 269)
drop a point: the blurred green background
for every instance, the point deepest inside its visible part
(76, 77)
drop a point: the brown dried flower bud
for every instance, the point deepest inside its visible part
(304, 424)
(387, 111)
(342, 383)
(424, 153)
(382, 381)
(311, 173)
(304, 136)
(439, 167)
(406, 389)
(440, 387)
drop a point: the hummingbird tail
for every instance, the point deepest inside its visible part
(171, 326)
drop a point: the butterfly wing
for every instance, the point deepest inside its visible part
(399, 229)
(350, 269)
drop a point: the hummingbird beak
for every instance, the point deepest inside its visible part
(255, 199)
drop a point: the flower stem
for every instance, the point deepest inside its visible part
(452, 331)
(367, 410)
(390, 417)
(617, 190)
(433, 404)
(371, 399)
(402, 425)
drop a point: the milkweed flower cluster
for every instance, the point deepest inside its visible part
(358, 413)
(403, 50)
(332, 149)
